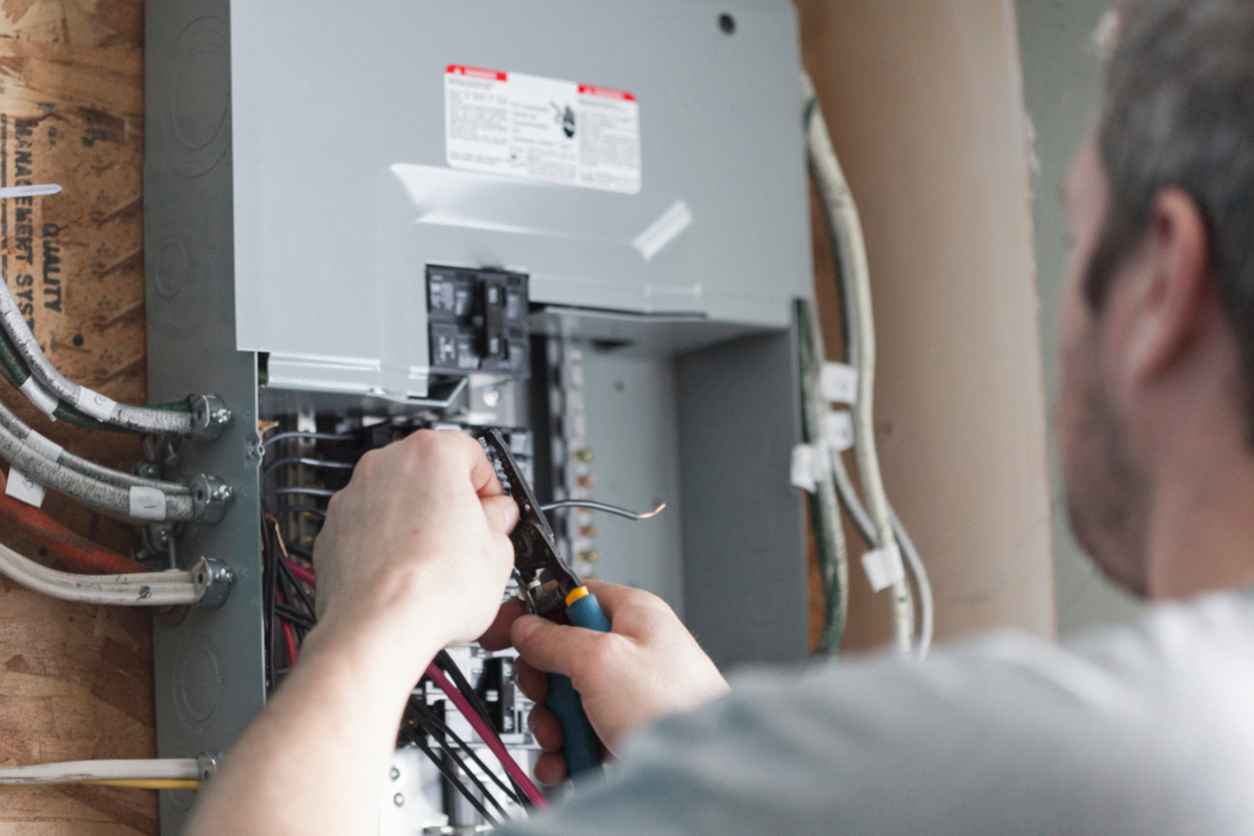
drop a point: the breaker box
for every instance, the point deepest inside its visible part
(584, 222)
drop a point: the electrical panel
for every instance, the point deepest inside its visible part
(581, 222)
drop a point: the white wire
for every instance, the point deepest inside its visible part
(148, 589)
(914, 563)
(850, 247)
(73, 772)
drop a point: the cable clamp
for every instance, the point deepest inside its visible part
(883, 567)
(210, 415)
(838, 383)
(838, 430)
(207, 765)
(213, 579)
(810, 466)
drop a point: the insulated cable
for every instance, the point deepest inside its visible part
(79, 772)
(832, 551)
(41, 444)
(146, 419)
(172, 587)
(148, 504)
(846, 230)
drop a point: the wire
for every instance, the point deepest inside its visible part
(76, 551)
(126, 503)
(429, 717)
(845, 227)
(489, 737)
(149, 783)
(77, 772)
(305, 436)
(452, 777)
(145, 419)
(318, 493)
(150, 589)
(305, 461)
(426, 722)
(914, 563)
(41, 444)
(832, 551)
(593, 505)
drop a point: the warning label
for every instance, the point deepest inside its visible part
(542, 129)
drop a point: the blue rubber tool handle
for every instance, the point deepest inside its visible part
(580, 746)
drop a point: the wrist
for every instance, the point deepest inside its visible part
(388, 649)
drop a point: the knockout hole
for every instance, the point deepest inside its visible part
(727, 23)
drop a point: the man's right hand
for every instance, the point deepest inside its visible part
(648, 666)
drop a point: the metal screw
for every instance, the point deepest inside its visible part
(584, 455)
(398, 800)
(394, 774)
(589, 556)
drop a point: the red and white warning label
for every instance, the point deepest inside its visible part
(543, 129)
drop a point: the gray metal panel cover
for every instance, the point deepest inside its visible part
(342, 192)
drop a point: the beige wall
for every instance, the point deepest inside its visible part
(925, 104)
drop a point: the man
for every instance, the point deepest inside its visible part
(1139, 729)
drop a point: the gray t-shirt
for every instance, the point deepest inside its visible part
(1145, 729)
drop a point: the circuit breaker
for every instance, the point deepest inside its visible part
(583, 222)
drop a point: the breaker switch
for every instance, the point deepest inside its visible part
(477, 321)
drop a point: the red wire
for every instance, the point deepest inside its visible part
(76, 552)
(485, 732)
(289, 638)
(300, 571)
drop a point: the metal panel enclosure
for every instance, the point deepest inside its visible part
(296, 189)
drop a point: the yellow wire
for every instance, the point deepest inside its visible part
(147, 783)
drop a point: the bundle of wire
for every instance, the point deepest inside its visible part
(289, 583)
(877, 522)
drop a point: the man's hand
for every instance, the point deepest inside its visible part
(647, 667)
(418, 540)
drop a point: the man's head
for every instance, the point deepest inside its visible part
(1157, 325)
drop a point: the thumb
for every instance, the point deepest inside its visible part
(553, 648)
(502, 513)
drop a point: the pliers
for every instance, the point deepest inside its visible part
(550, 588)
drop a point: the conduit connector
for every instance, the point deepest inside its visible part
(210, 496)
(207, 764)
(210, 415)
(215, 579)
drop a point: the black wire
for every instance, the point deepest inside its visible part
(271, 595)
(451, 776)
(429, 717)
(444, 661)
(474, 779)
(297, 588)
(308, 436)
(293, 616)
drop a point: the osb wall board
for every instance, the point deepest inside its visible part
(75, 681)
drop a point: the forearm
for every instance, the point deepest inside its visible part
(314, 761)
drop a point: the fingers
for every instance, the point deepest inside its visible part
(502, 513)
(531, 682)
(556, 648)
(497, 636)
(464, 450)
(550, 769)
(547, 731)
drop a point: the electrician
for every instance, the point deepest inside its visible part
(1140, 729)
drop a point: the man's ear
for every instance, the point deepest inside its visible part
(1170, 303)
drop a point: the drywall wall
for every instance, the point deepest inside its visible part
(1061, 79)
(926, 111)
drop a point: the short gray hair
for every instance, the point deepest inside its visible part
(1178, 111)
